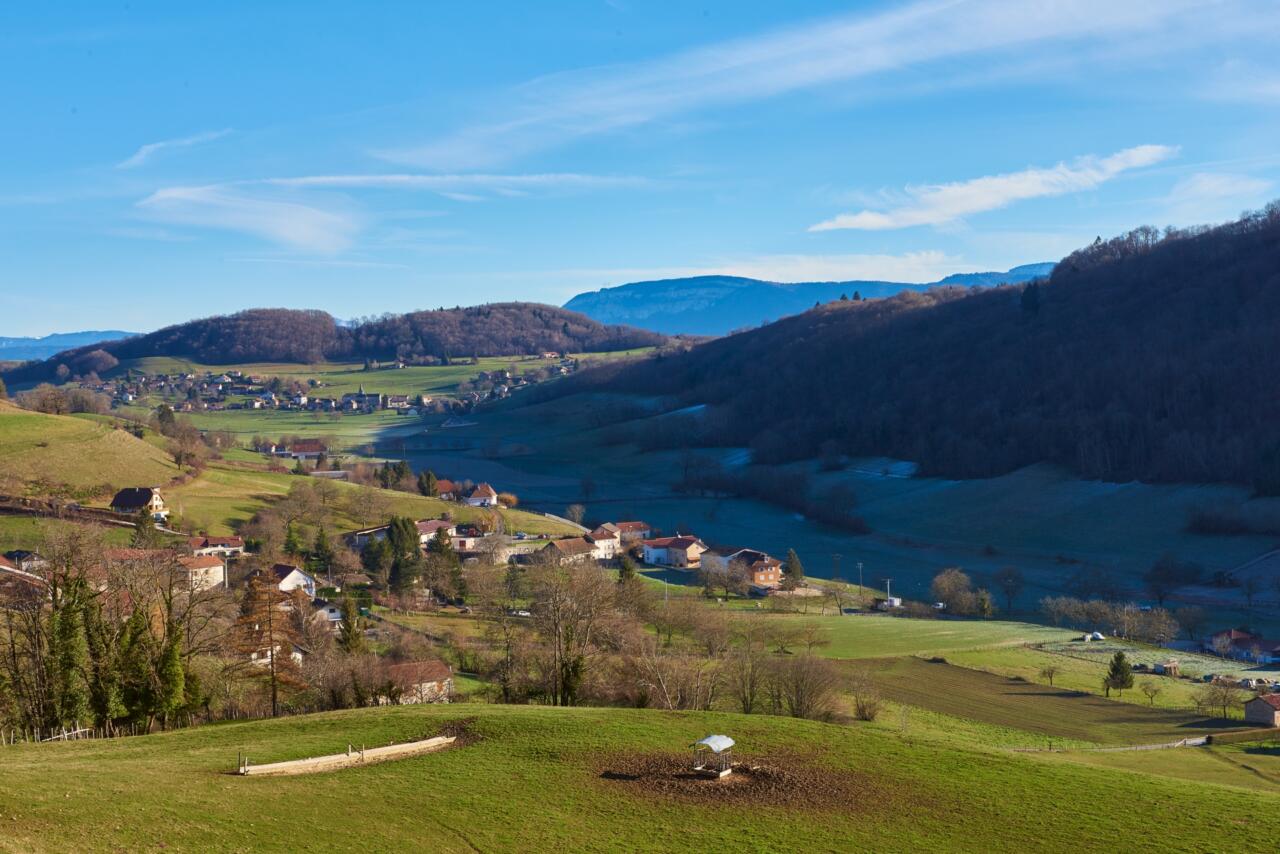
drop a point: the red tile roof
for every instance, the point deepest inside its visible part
(430, 526)
(418, 672)
(308, 446)
(574, 546)
(679, 542)
(631, 527)
(483, 490)
(1272, 700)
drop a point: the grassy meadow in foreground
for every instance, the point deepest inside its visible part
(544, 778)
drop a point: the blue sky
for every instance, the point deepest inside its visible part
(163, 161)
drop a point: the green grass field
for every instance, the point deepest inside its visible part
(538, 779)
(1253, 766)
(884, 636)
(29, 532)
(228, 494)
(1052, 712)
(1082, 666)
(73, 457)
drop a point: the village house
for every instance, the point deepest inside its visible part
(606, 540)
(483, 495)
(429, 528)
(219, 546)
(307, 449)
(1263, 710)
(290, 578)
(682, 552)
(446, 490)
(204, 572)
(1243, 646)
(359, 539)
(764, 572)
(136, 499)
(419, 682)
(570, 550)
(632, 532)
(328, 616)
(14, 578)
(27, 561)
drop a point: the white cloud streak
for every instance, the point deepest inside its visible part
(942, 203)
(144, 153)
(552, 110)
(296, 212)
(501, 184)
(294, 224)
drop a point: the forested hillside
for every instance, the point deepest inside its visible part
(1152, 356)
(284, 335)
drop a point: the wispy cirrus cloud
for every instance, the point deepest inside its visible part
(298, 213)
(559, 108)
(942, 203)
(461, 183)
(146, 152)
(298, 225)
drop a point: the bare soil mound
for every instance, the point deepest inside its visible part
(785, 781)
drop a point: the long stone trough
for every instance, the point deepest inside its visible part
(353, 756)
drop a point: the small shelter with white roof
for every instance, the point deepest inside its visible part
(713, 756)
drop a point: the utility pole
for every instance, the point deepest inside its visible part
(888, 588)
(835, 566)
(862, 591)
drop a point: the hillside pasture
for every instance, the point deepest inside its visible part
(1082, 666)
(881, 636)
(226, 495)
(565, 779)
(1052, 712)
(56, 455)
(1253, 766)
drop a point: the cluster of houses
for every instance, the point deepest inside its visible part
(682, 551)
(234, 390)
(1243, 646)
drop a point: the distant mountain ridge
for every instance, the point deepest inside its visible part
(308, 337)
(21, 349)
(717, 305)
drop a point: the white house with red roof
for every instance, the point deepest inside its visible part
(606, 541)
(483, 495)
(428, 529)
(680, 551)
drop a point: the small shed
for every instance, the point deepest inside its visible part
(713, 756)
(1169, 667)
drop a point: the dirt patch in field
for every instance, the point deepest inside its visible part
(461, 730)
(781, 781)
